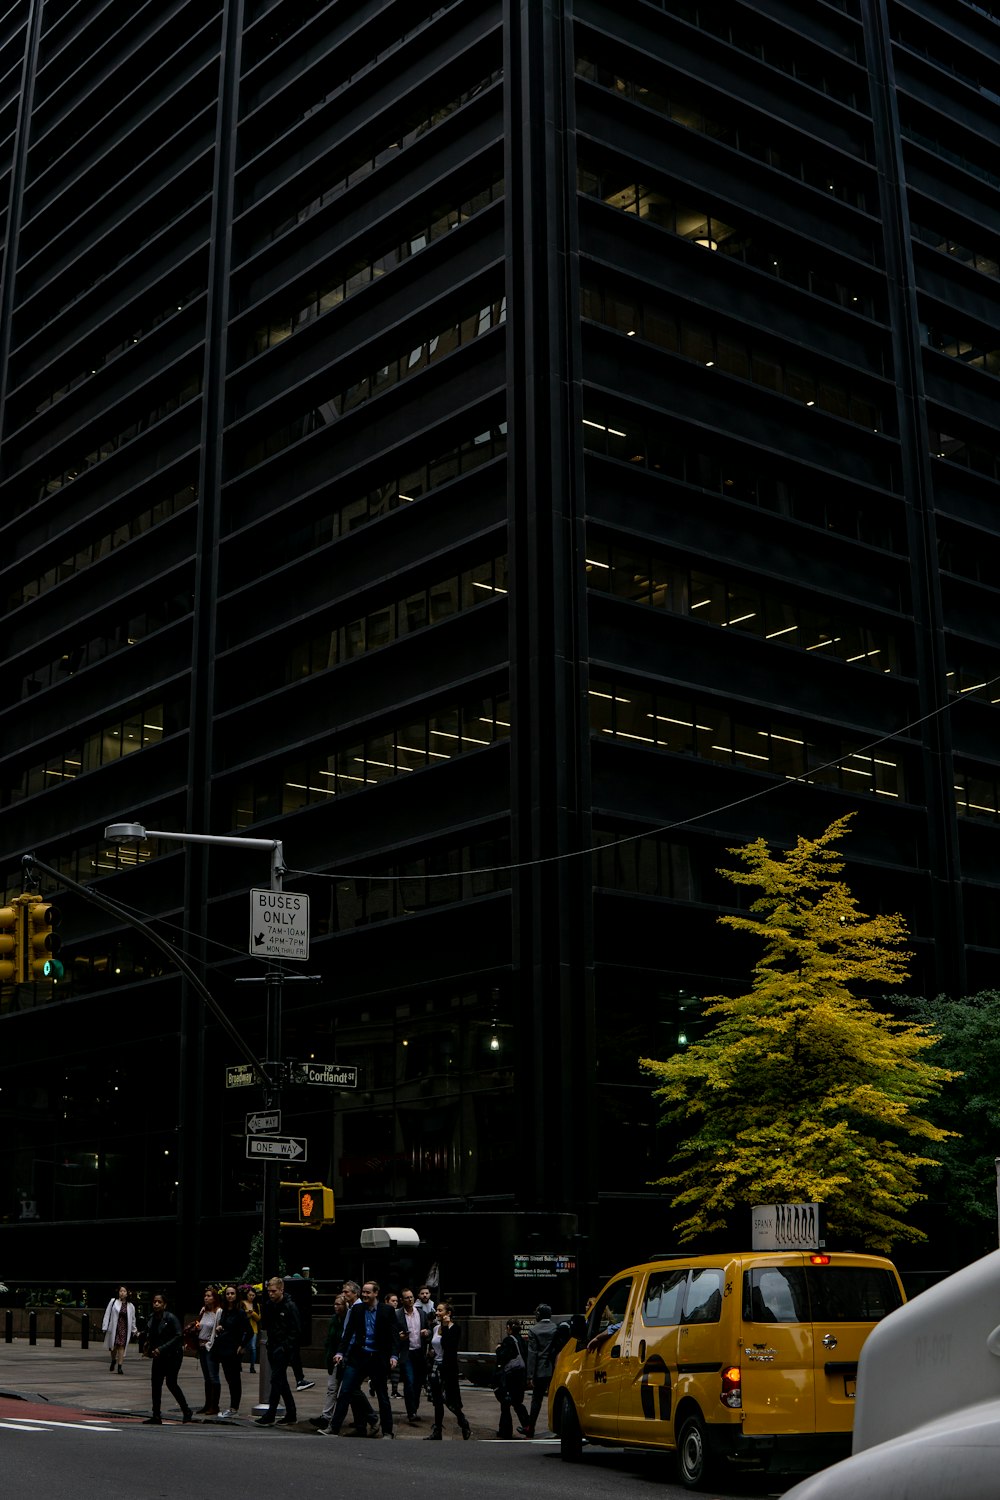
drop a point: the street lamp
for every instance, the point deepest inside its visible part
(135, 833)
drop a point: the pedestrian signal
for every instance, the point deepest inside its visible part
(315, 1204)
(310, 1202)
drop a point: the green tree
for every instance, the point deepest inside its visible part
(254, 1269)
(803, 1091)
(969, 1045)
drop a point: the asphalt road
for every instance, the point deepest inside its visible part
(58, 1456)
(77, 1433)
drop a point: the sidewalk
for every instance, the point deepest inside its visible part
(80, 1378)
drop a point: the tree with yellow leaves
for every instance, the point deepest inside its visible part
(803, 1091)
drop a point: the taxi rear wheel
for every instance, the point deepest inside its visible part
(570, 1436)
(692, 1454)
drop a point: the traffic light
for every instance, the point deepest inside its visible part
(315, 1204)
(10, 945)
(41, 943)
(305, 1204)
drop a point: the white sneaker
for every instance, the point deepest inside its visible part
(231, 1411)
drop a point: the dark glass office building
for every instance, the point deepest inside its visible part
(501, 450)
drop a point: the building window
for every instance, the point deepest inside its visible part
(704, 729)
(729, 352)
(411, 362)
(660, 583)
(382, 755)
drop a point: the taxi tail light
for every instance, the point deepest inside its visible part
(732, 1391)
(819, 1260)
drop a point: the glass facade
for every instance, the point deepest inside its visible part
(583, 408)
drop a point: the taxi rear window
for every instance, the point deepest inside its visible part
(851, 1294)
(818, 1294)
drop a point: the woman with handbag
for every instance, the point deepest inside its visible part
(118, 1327)
(442, 1374)
(512, 1379)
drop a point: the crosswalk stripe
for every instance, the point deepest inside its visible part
(43, 1424)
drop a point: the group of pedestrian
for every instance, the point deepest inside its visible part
(369, 1343)
(222, 1335)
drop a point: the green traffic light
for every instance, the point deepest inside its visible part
(53, 969)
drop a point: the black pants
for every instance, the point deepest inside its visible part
(539, 1393)
(512, 1398)
(445, 1393)
(232, 1369)
(164, 1370)
(280, 1389)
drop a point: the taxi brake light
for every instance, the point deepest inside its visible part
(731, 1393)
(819, 1260)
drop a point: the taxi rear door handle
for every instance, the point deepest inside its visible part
(642, 1350)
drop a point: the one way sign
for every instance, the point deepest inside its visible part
(284, 1147)
(279, 924)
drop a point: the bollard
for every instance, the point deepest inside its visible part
(32, 1327)
(8, 1326)
(85, 1329)
(57, 1329)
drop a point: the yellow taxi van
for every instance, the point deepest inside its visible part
(745, 1361)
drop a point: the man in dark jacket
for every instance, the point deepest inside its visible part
(369, 1350)
(541, 1363)
(279, 1319)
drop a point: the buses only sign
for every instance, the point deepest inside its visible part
(279, 924)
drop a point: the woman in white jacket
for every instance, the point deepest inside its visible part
(119, 1327)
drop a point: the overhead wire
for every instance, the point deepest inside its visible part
(711, 812)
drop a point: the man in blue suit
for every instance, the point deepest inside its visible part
(369, 1350)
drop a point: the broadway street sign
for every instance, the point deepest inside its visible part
(240, 1077)
(281, 1147)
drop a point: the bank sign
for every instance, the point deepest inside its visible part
(787, 1226)
(279, 924)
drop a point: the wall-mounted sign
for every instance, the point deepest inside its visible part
(543, 1265)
